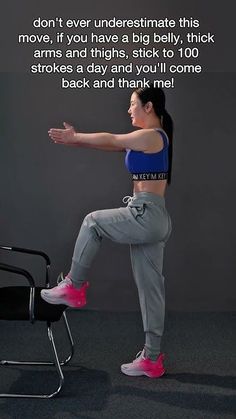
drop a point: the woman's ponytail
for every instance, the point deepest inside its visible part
(157, 96)
(167, 125)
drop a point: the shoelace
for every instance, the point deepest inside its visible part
(61, 281)
(127, 199)
(140, 354)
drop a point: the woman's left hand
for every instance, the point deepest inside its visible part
(63, 136)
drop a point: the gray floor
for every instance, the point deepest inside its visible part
(200, 360)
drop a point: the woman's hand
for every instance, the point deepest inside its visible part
(63, 136)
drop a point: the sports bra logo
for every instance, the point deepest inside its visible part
(150, 176)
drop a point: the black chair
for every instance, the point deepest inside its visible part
(25, 303)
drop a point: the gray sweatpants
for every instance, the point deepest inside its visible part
(145, 225)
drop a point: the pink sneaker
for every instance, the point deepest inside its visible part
(144, 366)
(66, 293)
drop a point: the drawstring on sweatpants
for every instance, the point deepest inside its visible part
(127, 199)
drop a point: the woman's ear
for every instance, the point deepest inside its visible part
(148, 107)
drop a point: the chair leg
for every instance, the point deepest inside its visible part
(62, 363)
(70, 340)
(56, 363)
(58, 368)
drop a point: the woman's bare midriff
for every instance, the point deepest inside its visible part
(154, 186)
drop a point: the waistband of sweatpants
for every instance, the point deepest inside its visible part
(148, 197)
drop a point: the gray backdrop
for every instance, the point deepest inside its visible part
(47, 189)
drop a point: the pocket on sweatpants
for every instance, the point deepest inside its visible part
(138, 209)
(169, 228)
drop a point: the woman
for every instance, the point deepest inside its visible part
(144, 223)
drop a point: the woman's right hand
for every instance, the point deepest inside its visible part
(65, 136)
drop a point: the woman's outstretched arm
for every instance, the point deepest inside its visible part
(141, 140)
(68, 136)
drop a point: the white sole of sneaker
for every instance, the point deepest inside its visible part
(52, 300)
(137, 373)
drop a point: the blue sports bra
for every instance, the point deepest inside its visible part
(149, 166)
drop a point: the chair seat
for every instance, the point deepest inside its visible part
(14, 305)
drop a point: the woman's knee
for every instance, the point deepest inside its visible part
(90, 219)
(87, 220)
(91, 224)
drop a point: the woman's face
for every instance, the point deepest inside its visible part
(137, 111)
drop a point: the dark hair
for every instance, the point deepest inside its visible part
(157, 96)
